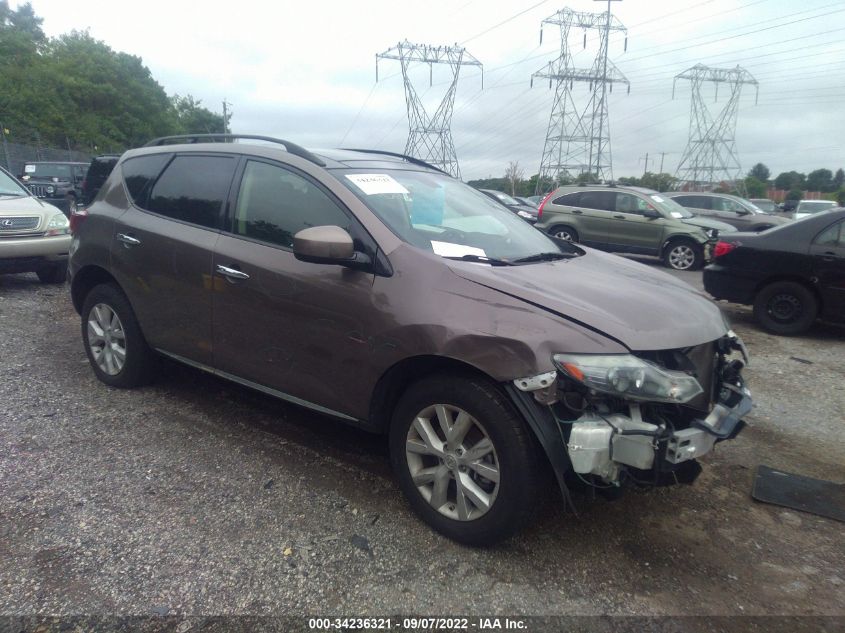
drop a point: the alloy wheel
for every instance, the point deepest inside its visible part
(452, 462)
(106, 339)
(681, 257)
(563, 234)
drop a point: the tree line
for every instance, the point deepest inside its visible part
(75, 92)
(757, 182)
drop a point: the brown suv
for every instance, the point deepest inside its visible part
(377, 289)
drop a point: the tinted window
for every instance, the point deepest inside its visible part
(570, 199)
(274, 204)
(832, 236)
(192, 189)
(139, 173)
(603, 200)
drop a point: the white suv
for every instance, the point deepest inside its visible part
(34, 236)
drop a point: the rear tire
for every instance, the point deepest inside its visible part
(116, 349)
(486, 468)
(562, 232)
(53, 274)
(683, 254)
(785, 308)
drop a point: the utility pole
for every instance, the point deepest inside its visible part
(225, 116)
(578, 139)
(645, 169)
(5, 147)
(430, 137)
(662, 156)
(710, 157)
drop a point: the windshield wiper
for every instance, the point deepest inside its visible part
(481, 259)
(544, 257)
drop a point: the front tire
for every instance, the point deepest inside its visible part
(464, 458)
(683, 255)
(785, 308)
(116, 349)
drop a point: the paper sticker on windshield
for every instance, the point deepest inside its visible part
(447, 249)
(372, 184)
(29, 169)
(657, 198)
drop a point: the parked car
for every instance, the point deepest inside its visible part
(791, 274)
(99, 169)
(34, 236)
(525, 211)
(764, 204)
(535, 200)
(738, 212)
(788, 206)
(59, 183)
(630, 220)
(808, 207)
(526, 201)
(377, 289)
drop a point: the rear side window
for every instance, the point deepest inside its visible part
(601, 200)
(570, 199)
(832, 236)
(274, 204)
(192, 189)
(139, 173)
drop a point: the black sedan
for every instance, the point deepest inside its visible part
(526, 212)
(791, 274)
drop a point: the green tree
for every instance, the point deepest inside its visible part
(839, 178)
(790, 180)
(794, 194)
(760, 172)
(755, 188)
(840, 197)
(192, 118)
(820, 180)
(658, 182)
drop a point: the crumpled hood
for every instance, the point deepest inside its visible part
(709, 223)
(640, 307)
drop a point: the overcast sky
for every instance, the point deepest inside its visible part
(305, 71)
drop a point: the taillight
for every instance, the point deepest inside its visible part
(77, 217)
(723, 248)
(543, 204)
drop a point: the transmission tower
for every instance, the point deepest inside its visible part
(578, 141)
(430, 137)
(710, 157)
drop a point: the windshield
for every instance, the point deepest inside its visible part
(815, 206)
(766, 206)
(670, 207)
(10, 187)
(443, 215)
(47, 170)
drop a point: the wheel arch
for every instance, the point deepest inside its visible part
(674, 238)
(84, 280)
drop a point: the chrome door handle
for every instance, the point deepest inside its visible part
(128, 240)
(577, 211)
(619, 217)
(231, 273)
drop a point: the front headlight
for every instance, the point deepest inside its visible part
(51, 189)
(58, 225)
(628, 377)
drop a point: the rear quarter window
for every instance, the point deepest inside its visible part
(139, 174)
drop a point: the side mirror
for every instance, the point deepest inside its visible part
(743, 212)
(327, 245)
(652, 214)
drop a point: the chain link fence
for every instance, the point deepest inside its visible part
(13, 156)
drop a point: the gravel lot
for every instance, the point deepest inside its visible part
(197, 497)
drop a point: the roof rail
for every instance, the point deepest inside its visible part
(410, 159)
(292, 148)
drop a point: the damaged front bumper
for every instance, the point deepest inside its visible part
(613, 440)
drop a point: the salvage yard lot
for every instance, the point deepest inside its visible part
(195, 496)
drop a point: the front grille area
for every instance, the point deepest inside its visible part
(39, 190)
(20, 223)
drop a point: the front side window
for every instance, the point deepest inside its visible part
(192, 189)
(628, 203)
(438, 213)
(274, 204)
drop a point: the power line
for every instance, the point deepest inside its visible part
(503, 22)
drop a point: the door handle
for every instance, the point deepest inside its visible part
(828, 256)
(128, 240)
(619, 217)
(577, 211)
(231, 273)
